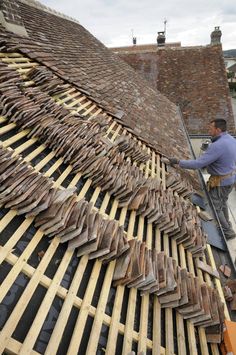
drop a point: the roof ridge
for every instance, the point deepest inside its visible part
(38, 5)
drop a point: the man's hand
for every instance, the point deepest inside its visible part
(170, 161)
(173, 161)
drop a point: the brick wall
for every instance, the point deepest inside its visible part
(192, 77)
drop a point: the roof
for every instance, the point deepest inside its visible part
(99, 239)
(232, 68)
(72, 52)
(192, 77)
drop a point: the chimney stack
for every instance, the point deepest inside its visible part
(161, 38)
(10, 17)
(216, 36)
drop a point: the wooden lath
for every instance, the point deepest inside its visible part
(71, 99)
(20, 264)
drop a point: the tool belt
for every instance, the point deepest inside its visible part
(215, 180)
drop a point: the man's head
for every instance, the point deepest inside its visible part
(217, 126)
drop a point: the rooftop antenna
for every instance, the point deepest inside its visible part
(165, 22)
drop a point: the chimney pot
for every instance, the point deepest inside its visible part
(216, 36)
(161, 38)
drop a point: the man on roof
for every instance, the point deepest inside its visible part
(220, 161)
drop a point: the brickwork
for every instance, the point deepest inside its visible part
(11, 12)
(192, 77)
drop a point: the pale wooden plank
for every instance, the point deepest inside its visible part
(168, 313)
(13, 347)
(41, 315)
(115, 320)
(17, 60)
(7, 219)
(179, 318)
(129, 323)
(156, 335)
(157, 349)
(201, 331)
(62, 293)
(190, 328)
(7, 128)
(23, 71)
(98, 320)
(23, 65)
(110, 128)
(89, 110)
(100, 312)
(203, 340)
(24, 146)
(99, 111)
(59, 98)
(75, 102)
(15, 138)
(116, 133)
(4, 250)
(83, 314)
(43, 162)
(35, 153)
(215, 349)
(2, 119)
(16, 269)
(62, 320)
(82, 107)
(217, 281)
(10, 55)
(19, 309)
(142, 344)
(54, 167)
(114, 328)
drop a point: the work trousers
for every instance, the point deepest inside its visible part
(219, 196)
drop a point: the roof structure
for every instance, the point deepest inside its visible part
(77, 56)
(194, 78)
(100, 243)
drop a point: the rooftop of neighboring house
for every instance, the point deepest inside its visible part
(193, 77)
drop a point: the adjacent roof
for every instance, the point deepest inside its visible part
(192, 77)
(232, 68)
(72, 52)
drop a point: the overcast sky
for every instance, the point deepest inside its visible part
(188, 21)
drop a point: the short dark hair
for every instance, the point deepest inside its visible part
(220, 123)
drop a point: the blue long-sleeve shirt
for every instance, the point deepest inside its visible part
(219, 159)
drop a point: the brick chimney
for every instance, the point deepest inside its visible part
(216, 36)
(10, 17)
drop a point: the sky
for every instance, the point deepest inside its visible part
(190, 22)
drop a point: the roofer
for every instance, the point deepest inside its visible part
(220, 161)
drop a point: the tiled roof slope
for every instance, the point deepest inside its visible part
(75, 54)
(192, 77)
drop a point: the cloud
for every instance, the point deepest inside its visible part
(188, 21)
